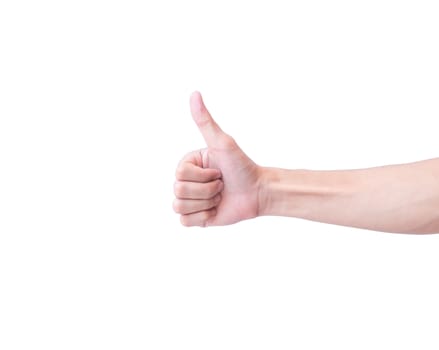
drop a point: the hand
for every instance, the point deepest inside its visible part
(217, 185)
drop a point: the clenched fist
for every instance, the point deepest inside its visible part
(217, 185)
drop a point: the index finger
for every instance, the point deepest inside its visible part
(187, 171)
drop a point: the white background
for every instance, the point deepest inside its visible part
(94, 117)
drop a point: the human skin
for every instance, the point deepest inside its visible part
(221, 185)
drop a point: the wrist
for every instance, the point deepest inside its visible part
(300, 193)
(277, 192)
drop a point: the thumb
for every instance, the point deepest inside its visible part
(208, 127)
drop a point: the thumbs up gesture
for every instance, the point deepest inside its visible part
(217, 185)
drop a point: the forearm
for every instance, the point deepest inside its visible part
(397, 198)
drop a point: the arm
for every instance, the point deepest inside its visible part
(221, 185)
(396, 198)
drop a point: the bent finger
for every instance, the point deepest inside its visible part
(190, 172)
(201, 218)
(189, 206)
(196, 190)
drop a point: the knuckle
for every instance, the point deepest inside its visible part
(211, 202)
(184, 221)
(217, 187)
(178, 189)
(202, 222)
(228, 142)
(177, 206)
(214, 201)
(206, 215)
(179, 173)
(212, 188)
